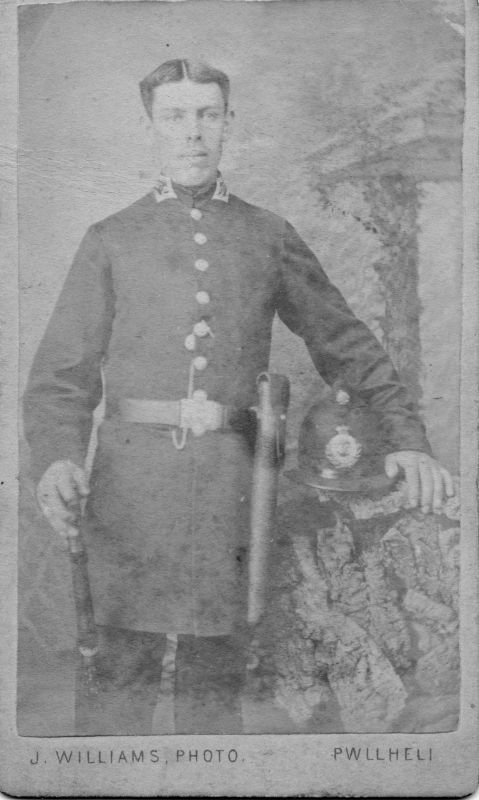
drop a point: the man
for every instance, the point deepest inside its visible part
(174, 298)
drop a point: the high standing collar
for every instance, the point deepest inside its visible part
(164, 190)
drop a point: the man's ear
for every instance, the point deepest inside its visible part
(228, 124)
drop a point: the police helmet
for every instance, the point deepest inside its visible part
(341, 447)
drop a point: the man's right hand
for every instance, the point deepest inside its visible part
(59, 495)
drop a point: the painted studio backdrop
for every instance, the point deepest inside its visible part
(349, 121)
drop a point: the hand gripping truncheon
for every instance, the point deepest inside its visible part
(273, 391)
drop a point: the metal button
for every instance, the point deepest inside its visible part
(196, 213)
(342, 397)
(190, 342)
(200, 238)
(202, 298)
(201, 328)
(201, 264)
(200, 363)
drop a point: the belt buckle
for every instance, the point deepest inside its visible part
(200, 414)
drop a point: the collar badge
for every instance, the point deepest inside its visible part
(164, 190)
(221, 191)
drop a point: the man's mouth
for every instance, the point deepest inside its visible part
(200, 154)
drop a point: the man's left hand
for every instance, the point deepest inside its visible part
(427, 481)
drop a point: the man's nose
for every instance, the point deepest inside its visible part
(193, 131)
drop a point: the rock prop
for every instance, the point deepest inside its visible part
(363, 616)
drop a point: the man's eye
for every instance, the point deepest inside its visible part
(210, 115)
(173, 116)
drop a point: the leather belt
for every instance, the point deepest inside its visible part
(196, 413)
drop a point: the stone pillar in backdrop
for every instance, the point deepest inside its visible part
(409, 197)
(388, 209)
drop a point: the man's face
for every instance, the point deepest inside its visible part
(190, 124)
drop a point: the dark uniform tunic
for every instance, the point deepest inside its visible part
(168, 529)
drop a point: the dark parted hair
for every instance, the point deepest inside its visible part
(180, 69)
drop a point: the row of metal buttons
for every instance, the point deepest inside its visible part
(200, 329)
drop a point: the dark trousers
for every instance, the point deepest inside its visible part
(207, 683)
